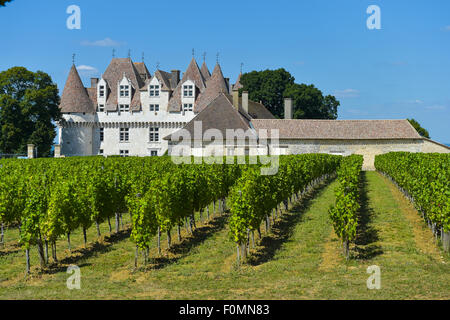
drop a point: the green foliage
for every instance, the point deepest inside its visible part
(423, 132)
(3, 2)
(344, 214)
(254, 195)
(28, 108)
(425, 177)
(272, 86)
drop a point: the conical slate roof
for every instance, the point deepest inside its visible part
(214, 86)
(205, 72)
(75, 98)
(238, 84)
(192, 73)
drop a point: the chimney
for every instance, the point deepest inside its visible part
(288, 111)
(227, 81)
(94, 82)
(245, 101)
(236, 100)
(175, 78)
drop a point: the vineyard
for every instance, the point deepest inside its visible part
(165, 205)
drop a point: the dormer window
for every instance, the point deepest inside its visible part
(187, 107)
(188, 91)
(154, 90)
(124, 107)
(124, 91)
(101, 91)
(101, 108)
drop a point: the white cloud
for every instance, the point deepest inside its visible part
(446, 28)
(86, 68)
(436, 107)
(107, 42)
(347, 93)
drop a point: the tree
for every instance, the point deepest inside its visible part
(272, 86)
(3, 2)
(423, 132)
(28, 109)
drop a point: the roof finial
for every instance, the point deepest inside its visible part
(73, 58)
(204, 56)
(157, 65)
(242, 64)
(217, 58)
(114, 53)
(129, 54)
(142, 57)
(193, 52)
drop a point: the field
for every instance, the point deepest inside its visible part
(301, 258)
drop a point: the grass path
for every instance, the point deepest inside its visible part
(300, 259)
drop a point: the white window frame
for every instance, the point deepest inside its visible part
(124, 134)
(153, 90)
(154, 107)
(124, 91)
(153, 153)
(101, 91)
(188, 106)
(124, 153)
(188, 91)
(154, 134)
(102, 134)
(124, 108)
(101, 108)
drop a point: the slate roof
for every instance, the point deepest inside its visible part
(142, 70)
(220, 114)
(215, 85)
(339, 129)
(114, 74)
(75, 97)
(205, 72)
(192, 73)
(238, 84)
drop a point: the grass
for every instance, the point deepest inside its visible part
(300, 259)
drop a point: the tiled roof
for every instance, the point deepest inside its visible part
(214, 86)
(114, 74)
(192, 73)
(142, 70)
(164, 77)
(238, 84)
(220, 114)
(205, 72)
(75, 97)
(339, 129)
(256, 110)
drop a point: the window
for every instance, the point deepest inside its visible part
(124, 91)
(154, 107)
(124, 134)
(154, 134)
(102, 134)
(187, 107)
(153, 153)
(154, 91)
(101, 91)
(124, 108)
(124, 153)
(100, 152)
(188, 91)
(101, 108)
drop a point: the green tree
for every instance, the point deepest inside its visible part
(28, 109)
(3, 2)
(272, 86)
(423, 132)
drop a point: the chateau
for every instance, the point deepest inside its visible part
(130, 112)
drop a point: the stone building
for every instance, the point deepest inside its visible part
(130, 112)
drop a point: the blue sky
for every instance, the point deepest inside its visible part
(400, 71)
